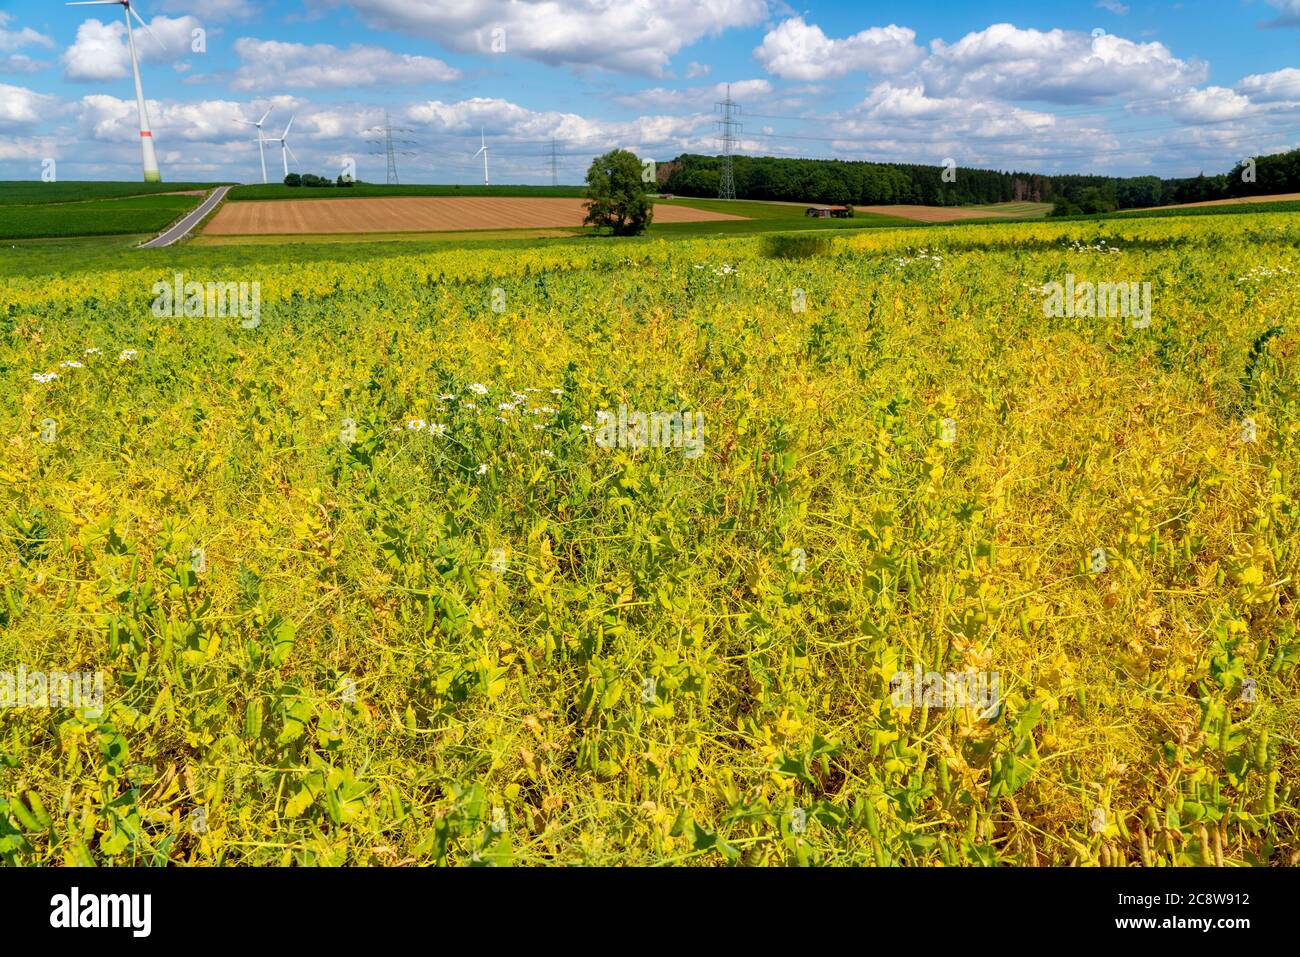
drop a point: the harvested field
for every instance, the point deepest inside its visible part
(952, 214)
(417, 214)
(1274, 198)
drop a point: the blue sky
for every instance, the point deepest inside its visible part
(1109, 87)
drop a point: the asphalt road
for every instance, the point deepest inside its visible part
(182, 229)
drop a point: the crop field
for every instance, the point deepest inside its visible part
(413, 214)
(103, 217)
(375, 572)
(33, 193)
(260, 191)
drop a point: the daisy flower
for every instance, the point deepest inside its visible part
(126, 355)
(70, 364)
(93, 351)
(482, 469)
(44, 376)
(478, 388)
(416, 425)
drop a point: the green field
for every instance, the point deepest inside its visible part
(363, 586)
(377, 190)
(32, 193)
(105, 217)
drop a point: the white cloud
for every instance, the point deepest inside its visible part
(20, 106)
(11, 40)
(19, 63)
(269, 63)
(1114, 6)
(100, 53)
(795, 50)
(1276, 87)
(696, 70)
(1212, 104)
(699, 97)
(632, 36)
(1006, 62)
(1290, 16)
(212, 9)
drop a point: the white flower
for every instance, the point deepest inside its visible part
(70, 364)
(44, 376)
(469, 405)
(586, 427)
(505, 407)
(478, 388)
(93, 351)
(482, 469)
(499, 418)
(557, 392)
(126, 355)
(446, 397)
(547, 454)
(438, 428)
(518, 396)
(539, 426)
(416, 425)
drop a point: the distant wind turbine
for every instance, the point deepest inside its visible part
(484, 150)
(261, 143)
(151, 174)
(283, 140)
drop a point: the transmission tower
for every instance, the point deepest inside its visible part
(729, 128)
(555, 169)
(391, 146)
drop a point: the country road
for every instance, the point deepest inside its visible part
(182, 229)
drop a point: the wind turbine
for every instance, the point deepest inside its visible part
(484, 150)
(151, 174)
(261, 143)
(283, 140)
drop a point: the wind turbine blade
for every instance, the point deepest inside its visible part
(264, 116)
(291, 152)
(131, 10)
(289, 124)
(91, 3)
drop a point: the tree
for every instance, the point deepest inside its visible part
(293, 179)
(616, 197)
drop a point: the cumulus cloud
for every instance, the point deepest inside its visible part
(1113, 6)
(696, 70)
(99, 51)
(796, 50)
(1280, 86)
(631, 36)
(1056, 66)
(11, 40)
(699, 97)
(20, 106)
(269, 63)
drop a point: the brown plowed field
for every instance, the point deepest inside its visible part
(416, 214)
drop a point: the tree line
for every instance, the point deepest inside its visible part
(851, 182)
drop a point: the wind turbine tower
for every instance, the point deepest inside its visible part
(261, 143)
(283, 140)
(148, 154)
(484, 150)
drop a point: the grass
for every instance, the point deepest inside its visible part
(375, 190)
(32, 193)
(104, 217)
(351, 638)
